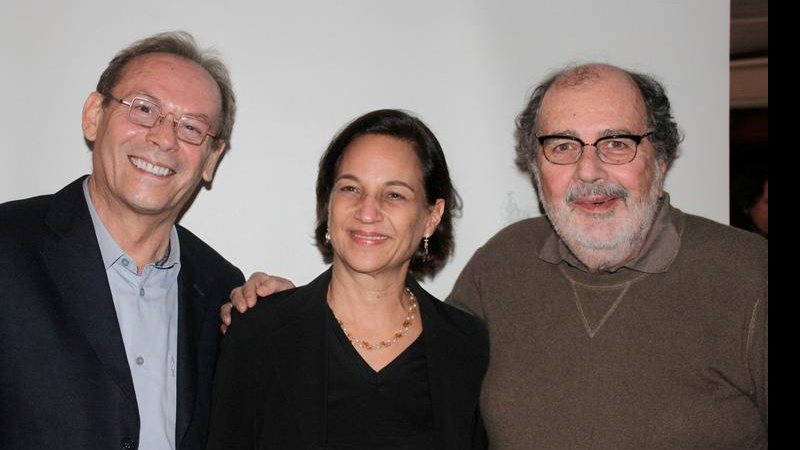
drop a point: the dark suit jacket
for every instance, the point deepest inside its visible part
(64, 376)
(269, 392)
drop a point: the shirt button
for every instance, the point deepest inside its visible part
(139, 360)
(127, 444)
(125, 262)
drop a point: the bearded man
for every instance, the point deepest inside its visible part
(617, 321)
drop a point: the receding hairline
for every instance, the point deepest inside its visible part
(141, 59)
(138, 59)
(586, 74)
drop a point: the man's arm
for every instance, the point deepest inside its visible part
(466, 294)
(757, 353)
(245, 297)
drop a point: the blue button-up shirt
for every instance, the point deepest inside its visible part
(147, 312)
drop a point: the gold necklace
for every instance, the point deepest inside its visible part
(409, 320)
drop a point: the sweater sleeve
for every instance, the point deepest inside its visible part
(466, 294)
(757, 355)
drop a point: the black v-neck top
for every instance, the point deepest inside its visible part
(367, 410)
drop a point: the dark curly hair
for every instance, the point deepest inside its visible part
(665, 138)
(435, 176)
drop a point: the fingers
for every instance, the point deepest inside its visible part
(250, 290)
(237, 298)
(272, 285)
(258, 285)
(225, 316)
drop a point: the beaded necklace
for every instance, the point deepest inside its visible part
(409, 320)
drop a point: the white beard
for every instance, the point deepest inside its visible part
(622, 243)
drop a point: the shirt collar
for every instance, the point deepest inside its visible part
(110, 251)
(658, 252)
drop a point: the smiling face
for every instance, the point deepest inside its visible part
(148, 171)
(378, 213)
(601, 211)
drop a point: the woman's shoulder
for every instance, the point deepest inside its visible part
(459, 335)
(471, 327)
(274, 311)
(264, 317)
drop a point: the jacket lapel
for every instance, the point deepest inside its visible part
(445, 347)
(192, 308)
(76, 266)
(300, 357)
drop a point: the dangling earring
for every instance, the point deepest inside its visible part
(425, 248)
(327, 236)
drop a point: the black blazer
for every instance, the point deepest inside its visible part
(64, 376)
(269, 391)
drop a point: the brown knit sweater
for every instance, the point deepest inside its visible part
(667, 352)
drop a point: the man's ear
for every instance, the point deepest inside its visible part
(92, 115)
(663, 169)
(210, 166)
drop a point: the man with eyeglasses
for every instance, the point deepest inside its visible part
(110, 325)
(617, 321)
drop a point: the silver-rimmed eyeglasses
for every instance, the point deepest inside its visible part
(147, 113)
(612, 149)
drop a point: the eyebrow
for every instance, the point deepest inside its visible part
(605, 133)
(612, 132)
(388, 183)
(401, 183)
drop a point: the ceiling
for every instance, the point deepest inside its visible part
(749, 28)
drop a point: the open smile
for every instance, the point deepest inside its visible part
(596, 204)
(368, 238)
(152, 169)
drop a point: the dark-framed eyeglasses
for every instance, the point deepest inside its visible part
(147, 113)
(614, 149)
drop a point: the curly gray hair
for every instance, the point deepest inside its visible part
(665, 138)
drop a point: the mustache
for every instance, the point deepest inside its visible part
(596, 190)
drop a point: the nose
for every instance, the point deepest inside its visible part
(162, 134)
(369, 210)
(589, 167)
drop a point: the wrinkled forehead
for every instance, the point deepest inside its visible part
(598, 95)
(171, 79)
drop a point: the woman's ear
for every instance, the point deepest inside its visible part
(434, 216)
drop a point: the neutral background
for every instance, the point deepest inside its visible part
(301, 70)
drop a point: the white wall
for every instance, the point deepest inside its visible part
(303, 69)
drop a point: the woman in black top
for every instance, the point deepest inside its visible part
(361, 358)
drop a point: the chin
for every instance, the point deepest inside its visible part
(601, 234)
(359, 263)
(367, 264)
(148, 207)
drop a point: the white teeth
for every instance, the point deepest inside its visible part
(150, 168)
(370, 238)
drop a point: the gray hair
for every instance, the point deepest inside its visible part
(182, 44)
(665, 138)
